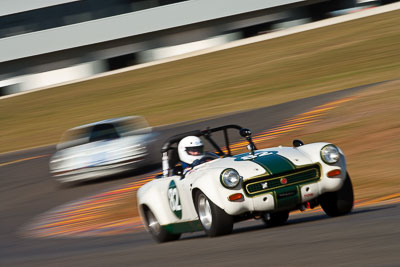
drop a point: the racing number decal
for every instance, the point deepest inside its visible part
(258, 154)
(174, 201)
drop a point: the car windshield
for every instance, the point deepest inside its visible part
(104, 131)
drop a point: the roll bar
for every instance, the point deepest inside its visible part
(170, 142)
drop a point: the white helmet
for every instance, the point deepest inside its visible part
(190, 149)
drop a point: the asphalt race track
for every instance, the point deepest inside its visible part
(367, 237)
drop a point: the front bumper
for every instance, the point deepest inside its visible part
(285, 191)
(89, 173)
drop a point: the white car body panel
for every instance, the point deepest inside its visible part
(81, 159)
(206, 177)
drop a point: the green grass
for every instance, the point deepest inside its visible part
(261, 74)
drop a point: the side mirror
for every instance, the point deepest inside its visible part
(244, 132)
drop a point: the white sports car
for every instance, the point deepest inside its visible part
(102, 148)
(226, 188)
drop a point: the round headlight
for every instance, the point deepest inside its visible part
(230, 178)
(330, 154)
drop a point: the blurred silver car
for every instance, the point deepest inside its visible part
(102, 148)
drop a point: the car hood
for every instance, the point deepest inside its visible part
(272, 161)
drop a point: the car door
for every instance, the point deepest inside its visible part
(180, 199)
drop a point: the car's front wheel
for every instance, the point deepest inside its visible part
(340, 202)
(215, 221)
(156, 230)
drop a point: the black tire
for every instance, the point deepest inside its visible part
(340, 202)
(275, 219)
(158, 233)
(215, 221)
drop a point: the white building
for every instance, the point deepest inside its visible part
(43, 42)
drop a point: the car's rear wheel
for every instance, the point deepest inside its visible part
(215, 221)
(156, 230)
(275, 219)
(340, 202)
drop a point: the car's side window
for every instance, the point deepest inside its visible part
(133, 126)
(74, 137)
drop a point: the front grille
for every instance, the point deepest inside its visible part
(269, 183)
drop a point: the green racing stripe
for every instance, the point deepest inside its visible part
(271, 161)
(183, 227)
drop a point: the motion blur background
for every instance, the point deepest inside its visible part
(43, 42)
(93, 59)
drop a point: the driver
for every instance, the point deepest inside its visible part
(191, 152)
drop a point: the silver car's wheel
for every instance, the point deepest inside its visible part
(215, 221)
(204, 209)
(156, 230)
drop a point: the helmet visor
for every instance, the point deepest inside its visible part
(195, 150)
